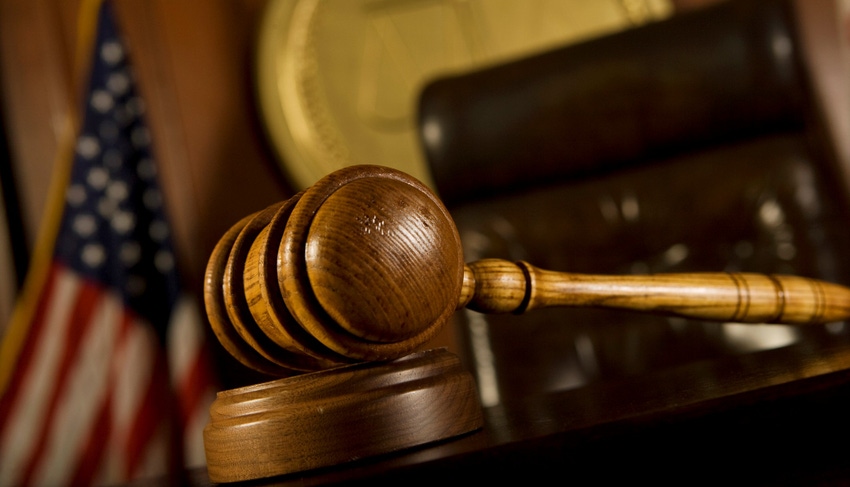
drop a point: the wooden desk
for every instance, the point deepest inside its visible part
(766, 418)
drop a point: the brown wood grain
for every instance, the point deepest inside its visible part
(499, 286)
(38, 89)
(339, 415)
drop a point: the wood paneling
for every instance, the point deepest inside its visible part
(36, 86)
(37, 89)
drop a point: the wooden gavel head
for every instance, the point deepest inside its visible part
(364, 265)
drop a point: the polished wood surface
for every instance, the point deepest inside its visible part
(294, 283)
(499, 286)
(376, 237)
(246, 347)
(339, 415)
(366, 265)
(701, 422)
(664, 427)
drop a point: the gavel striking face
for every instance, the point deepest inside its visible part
(364, 265)
(367, 265)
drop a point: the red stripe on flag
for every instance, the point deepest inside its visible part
(152, 412)
(97, 442)
(80, 319)
(194, 386)
(26, 356)
(95, 445)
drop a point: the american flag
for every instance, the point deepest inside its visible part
(108, 376)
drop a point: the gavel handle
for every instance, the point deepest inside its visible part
(499, 286)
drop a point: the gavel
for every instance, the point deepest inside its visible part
(367, 265)
(351, 276)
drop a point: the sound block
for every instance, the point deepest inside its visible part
(338, 415)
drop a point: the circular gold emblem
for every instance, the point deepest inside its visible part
(338, 80)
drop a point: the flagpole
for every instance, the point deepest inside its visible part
(40, 263)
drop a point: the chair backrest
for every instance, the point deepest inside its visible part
(693, 144)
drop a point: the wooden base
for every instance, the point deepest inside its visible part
(339, 415)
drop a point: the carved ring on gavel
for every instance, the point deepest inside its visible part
(367, 265)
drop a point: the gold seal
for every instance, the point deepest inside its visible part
(338, 80)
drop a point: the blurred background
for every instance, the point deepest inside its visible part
(197, 70)
(219, 122)
(250, 101)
